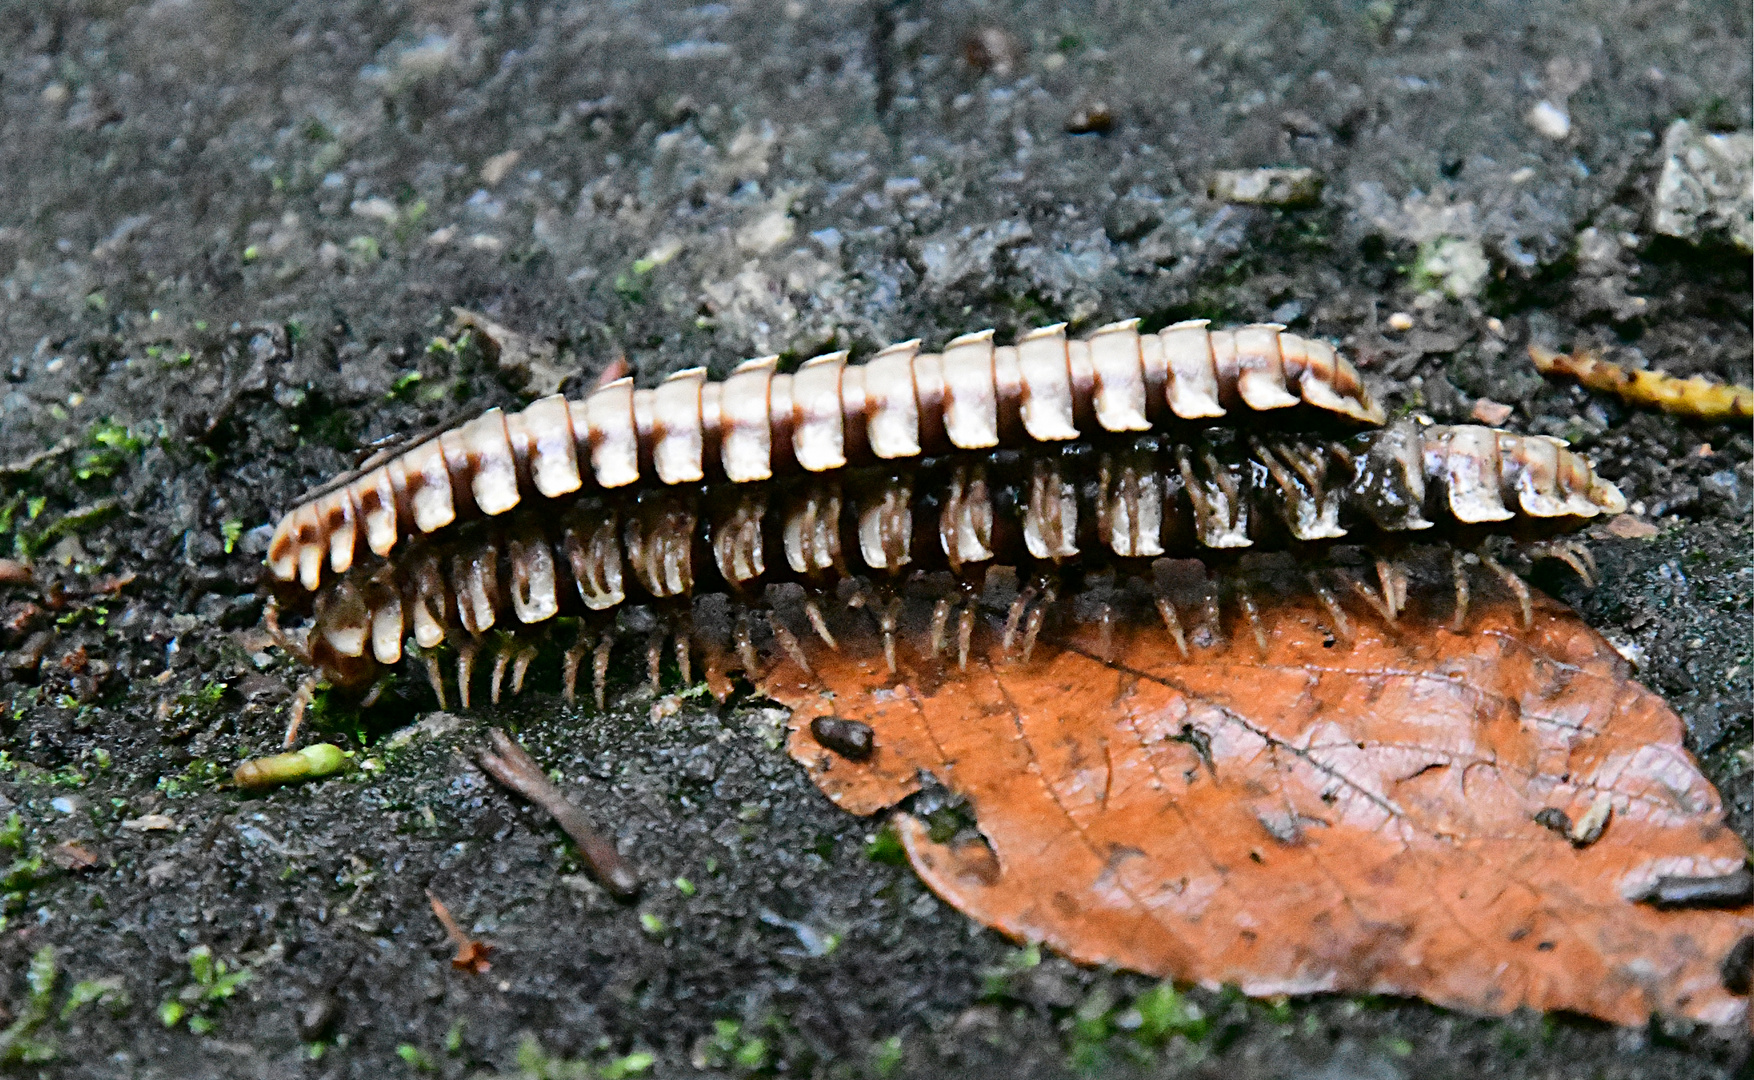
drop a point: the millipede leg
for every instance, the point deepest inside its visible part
(1369, 596)
(964, 637)
(1394, 588)
(655, 659)
(789, 643)
(569, 667)
(301, 700)
(500, 663)
(1568, 553)
(746, 653)
(1014, 618)
(1172, 623)
(293, 647)
(436, 678)
(1253, 613)
(684, 662)
(819, 624)
(1589, 559)
(887, 613)
(1032, 628)
(1458, 569)
(1105, 633)
(520, 666)
(1210, 617)
(465, 665)
(1516, 585)
(1331, 604)
(600, 669)
(940, 620)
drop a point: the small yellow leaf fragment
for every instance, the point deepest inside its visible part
(1698, 398)
(313, 762)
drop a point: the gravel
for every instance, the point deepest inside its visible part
(232, 235)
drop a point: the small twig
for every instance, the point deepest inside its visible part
(471, 954)
(31, 461)
(510, 765)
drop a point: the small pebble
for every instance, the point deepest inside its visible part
(1550, 120)
(1491, 413)
(1630, 527)
(1093, 119)
(1267, 187)
(848, 738)
(1400, 321)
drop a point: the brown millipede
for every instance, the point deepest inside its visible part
(758, 423)
(911, 474)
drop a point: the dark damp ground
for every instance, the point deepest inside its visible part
(230, 232)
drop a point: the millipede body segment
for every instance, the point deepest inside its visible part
(901, 404)
(908, 476)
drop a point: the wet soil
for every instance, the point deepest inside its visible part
(232, 233)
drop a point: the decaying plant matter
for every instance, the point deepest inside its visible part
(1357, 813)
(1697, 398)
(1234, 673)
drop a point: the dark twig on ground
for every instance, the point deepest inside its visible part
(510, 765)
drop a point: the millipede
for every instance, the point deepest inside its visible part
(925, 497)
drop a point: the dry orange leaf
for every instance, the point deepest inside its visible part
(1328, 817)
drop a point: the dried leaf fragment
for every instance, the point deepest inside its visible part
(1331, 816)
(471, 954)
(532, 360)
(1697, 398)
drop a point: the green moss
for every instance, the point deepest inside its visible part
(885, 847)
(212, 983)
(20, 1043)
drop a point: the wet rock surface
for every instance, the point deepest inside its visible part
(232, 236)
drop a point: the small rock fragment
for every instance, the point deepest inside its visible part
(1094, 118)
(1550, 120)
(1705, 186)
(319, 1018)
(991, 49)
(150, 823)
(311, 763)
(494, 169)
(1630, 527)
(1400, 322)
(71, 856)
(1267, 187)
(518, 355)
(850, 739)
(1491, 413)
